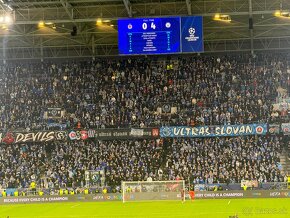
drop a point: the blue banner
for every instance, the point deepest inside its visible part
(213, 131)
(192, 34)
(62, 126)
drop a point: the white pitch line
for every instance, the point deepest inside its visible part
(75, 205)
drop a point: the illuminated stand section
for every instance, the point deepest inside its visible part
(163, 35)
(153, 190)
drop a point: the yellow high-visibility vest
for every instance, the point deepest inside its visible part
(4, 194)
(32, 185)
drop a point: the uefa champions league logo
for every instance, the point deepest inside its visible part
(191, 31)
(191, 37)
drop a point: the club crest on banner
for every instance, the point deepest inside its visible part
(84, 134)
(9, 138)
(285, 128)
(166, 131)
(259, 129)
(78, 135)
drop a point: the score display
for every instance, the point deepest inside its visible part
(164, 35)
(149, 35)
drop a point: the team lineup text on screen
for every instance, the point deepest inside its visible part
(160, 35)
(153, 190)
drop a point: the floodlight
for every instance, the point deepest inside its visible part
(280, 13)
(7, 19)
(41, 24)
(99, 21)
(222, 17)
(285, 14)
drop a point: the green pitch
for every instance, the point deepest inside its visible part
(198, 208)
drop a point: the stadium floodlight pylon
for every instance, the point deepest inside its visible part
(153, 190)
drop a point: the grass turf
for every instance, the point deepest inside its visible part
(217, 208)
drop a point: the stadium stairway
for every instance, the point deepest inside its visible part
(287, 154)
(285, 160)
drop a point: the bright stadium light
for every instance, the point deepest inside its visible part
(6, 20)
(222, 17)
(99, 21)
(283, 14)
(41, 24)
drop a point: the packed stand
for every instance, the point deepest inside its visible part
(207, 161)
(56, 165)
(127, 92)
(225, 160)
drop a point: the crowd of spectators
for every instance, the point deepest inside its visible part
(207, 161)
(57, 164)
(226, 160)
(127, 92)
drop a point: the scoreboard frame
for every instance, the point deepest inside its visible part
(189, 33)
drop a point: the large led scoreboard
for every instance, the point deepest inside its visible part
(163, 35)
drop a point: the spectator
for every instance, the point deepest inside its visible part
(208, 160)
(121, 93)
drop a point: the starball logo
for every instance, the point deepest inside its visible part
(191, 37)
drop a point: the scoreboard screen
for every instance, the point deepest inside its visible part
(160, 35)
(149, 35)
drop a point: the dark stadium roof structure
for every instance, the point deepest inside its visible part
(25, 40)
